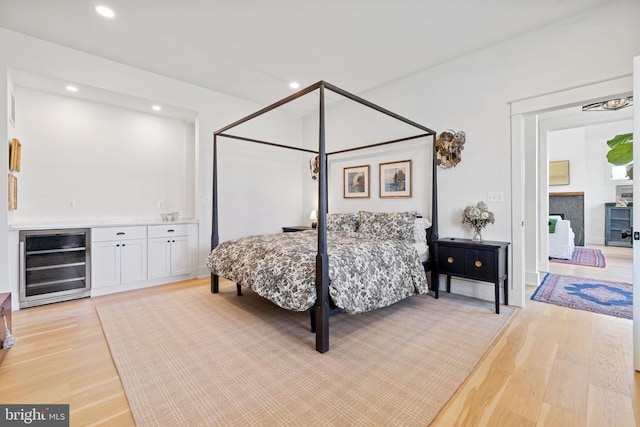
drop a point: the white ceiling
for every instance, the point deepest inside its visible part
(253, 49)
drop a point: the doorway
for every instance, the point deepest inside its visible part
(529, 176)
(578, 138)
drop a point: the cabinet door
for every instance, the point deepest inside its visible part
(180, 256)
(159, 260)
(481, 264)
(105, 264)
(133, 260)
(450, 259)
(619, 220)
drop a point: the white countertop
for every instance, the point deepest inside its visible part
(54, 225)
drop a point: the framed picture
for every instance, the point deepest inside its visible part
(15, 155)
(559, 172)
(395, 179)
(356, 182)
(624, 192)
(12, 192)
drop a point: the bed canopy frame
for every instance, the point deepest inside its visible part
(321, 309)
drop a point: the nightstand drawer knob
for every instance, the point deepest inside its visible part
(478, 264)
(450, 260)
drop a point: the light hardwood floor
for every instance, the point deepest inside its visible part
(555, 366)
(551, 366)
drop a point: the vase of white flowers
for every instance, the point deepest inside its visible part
(477, 217)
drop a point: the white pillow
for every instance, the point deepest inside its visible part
(419, 227)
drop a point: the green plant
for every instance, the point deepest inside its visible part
(621, 152)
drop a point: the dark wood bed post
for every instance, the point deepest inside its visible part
(434, 216)
(215, 238)
(434, 189)
(321, 307)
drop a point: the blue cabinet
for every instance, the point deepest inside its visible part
(618, 225)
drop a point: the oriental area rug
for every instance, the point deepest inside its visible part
(584, 256)
(598, 296)
(190, 357)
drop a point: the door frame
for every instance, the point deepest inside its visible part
(636, 220)
(525, 169)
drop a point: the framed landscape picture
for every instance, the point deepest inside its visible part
(356, 182)
(395, 179)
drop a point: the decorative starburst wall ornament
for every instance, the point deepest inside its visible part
(449, 146)
(314, 167)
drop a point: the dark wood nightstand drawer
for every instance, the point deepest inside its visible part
(451, 260)
(480, 264)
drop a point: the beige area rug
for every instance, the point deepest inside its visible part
(191, 358)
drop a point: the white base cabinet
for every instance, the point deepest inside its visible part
(170, 248)
(117, 263)
(118, 256)
(132, 257)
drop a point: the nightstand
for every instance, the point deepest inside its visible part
(294, 228)
(485, 261)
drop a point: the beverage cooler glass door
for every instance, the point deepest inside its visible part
(54, 266)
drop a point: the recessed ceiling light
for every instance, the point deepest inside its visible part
(105, 11)
(156, 107)
(294, 85)
(71, 88)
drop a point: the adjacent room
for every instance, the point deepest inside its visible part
(250, 213)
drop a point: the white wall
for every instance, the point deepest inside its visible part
(214, 109)
(569, 144)
(113, 162)
(473, 94)
(350, 125)
(5, 90)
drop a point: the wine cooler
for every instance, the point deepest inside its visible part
(54, 266)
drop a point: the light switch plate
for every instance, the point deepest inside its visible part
(495, 196)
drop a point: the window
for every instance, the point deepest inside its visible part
(619, 173)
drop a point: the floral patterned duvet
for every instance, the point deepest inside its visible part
(365, 272)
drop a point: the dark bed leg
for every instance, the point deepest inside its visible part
(239, 289)
(215, 283)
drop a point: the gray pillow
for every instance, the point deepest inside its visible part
(342, 222)
(388, 225)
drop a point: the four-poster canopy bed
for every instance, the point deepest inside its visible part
(319, 304)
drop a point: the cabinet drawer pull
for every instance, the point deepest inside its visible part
(478, 264)
(121, 233)
(170, 231)
(450, 260)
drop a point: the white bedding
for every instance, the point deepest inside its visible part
(423, 251)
